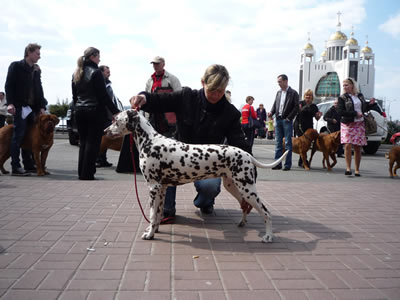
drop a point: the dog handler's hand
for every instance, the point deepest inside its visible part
(138, 101)
(11, 109)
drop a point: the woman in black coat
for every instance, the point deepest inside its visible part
(90, 99)
(203, 116)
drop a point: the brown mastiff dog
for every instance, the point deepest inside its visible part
(109, 142)
(302, 144)
(38, 138)
(394, 157)
(328, 144)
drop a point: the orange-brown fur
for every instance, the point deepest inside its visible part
(38, 138)
(302, 144)
(394, 157)
(109, 142)
(328, 144)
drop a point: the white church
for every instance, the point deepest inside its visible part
(342, 58)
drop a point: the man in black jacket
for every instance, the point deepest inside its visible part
(101, 160)
(25, 100)
(285, 108)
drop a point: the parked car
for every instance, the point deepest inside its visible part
(395, 139)
(73, 134)
(373, 140)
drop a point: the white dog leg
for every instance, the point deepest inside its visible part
(250, 196)
(233, 190)
(156, 197)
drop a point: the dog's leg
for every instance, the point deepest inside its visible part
(3, 159)
(43, 157)
(396, 167)
(157, 195)
(233, 190)
(249, 194)
(391, 163)
(334, 161)
(39, 169)
(326, 158)
(304, 158)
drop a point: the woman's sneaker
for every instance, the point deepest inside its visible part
(19, 172)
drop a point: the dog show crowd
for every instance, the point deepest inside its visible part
(204, 116)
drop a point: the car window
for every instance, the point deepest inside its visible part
(324, 107)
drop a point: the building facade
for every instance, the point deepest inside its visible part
(342, 58)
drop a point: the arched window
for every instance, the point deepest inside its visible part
(328, 86)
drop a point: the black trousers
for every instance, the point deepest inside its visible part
(90, 127)
(249, 132)
(125, 164)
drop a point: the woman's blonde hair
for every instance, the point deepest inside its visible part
(215, 77)
(354, 83)
(309, 92)
(81, 60)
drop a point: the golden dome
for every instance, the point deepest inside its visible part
(366, 49)
(323, 54)
(351, 42)
(338, 35)
(308, 46)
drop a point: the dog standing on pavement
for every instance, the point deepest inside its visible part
(165, 162)
(328, 144)
(302, 144)
(394, 160)
(39, 138)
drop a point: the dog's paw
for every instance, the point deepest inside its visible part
(242, 223)
(267, 238)
(147, 236)
(40, 174)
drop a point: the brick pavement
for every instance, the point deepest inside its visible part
(332, 241)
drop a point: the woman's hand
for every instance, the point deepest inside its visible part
(114, 116)
(11, 109)
(359, 115)
(138, 101)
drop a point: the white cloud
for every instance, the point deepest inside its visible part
(392, 26)
(255, 39)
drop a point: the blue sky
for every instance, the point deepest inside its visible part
(255, 39)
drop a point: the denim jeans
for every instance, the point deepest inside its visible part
(20, 126)
(169, 203)
(207, 191)
(284, 129)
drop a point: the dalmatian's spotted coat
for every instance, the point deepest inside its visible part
(165, 162)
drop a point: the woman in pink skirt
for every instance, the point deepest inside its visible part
(352, 106)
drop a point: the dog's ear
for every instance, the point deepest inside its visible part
(54, 119)
(133, 118)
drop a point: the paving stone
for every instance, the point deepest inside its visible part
(324, 248)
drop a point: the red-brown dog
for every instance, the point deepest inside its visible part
(38, 138)
(328, 144)
(394, 157)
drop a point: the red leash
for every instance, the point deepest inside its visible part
(134, 173)
(167, 220)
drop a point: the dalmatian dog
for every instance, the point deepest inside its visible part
(165, 162)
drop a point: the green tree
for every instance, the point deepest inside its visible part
(392, 129)
(60, 108)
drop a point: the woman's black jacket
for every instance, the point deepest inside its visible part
(199, 121)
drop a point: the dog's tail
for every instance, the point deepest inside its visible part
(271, 165)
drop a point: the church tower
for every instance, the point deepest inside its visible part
(340, 59)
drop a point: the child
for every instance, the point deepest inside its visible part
(270, 125)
